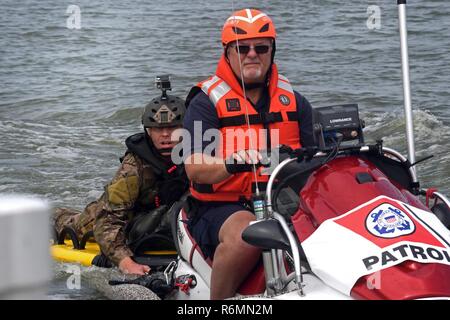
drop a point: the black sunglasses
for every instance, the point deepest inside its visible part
(259, 49)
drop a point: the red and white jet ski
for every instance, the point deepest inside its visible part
(359, 229)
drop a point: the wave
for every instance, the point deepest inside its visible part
(126, 115)
(390, 126)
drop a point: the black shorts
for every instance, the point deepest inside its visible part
(206, 224)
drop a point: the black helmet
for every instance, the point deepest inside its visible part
(164, 111)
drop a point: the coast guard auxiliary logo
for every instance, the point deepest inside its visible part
(284, 99)
(387, 221)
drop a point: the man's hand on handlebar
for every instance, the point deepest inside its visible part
(243, 161)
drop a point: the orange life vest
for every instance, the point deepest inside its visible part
(226, 94)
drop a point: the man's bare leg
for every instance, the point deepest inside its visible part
(234, 258)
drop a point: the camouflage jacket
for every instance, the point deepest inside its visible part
(133, 190)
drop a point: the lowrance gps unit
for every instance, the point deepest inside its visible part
(337, 123)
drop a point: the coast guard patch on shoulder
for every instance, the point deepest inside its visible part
(233, 105)
(387, 221)
(284, 100)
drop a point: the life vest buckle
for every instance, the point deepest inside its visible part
(268, 117)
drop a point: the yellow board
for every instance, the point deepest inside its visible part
(66, 253)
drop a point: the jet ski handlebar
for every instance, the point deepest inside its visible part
(306, 154)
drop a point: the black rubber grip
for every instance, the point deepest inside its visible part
(238, 167)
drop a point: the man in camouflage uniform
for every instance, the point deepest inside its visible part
(145, 186)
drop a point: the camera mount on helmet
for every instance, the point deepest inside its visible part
(163, 82)
(166, 110)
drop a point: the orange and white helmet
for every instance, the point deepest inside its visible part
(247, 24)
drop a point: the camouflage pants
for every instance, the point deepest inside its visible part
(81, 222)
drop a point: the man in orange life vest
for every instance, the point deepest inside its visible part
(246, 93)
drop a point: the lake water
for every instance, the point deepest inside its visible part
(70, 97)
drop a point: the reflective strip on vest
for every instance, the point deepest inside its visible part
(285, 86)
(218, 92)
(280, 76)
(207, 84)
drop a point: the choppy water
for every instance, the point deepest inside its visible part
(69, 98)
(63, 287)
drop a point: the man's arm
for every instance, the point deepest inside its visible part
(305, 120)
(209, 170)
(202, 168)
(118, 202)
(205, 169)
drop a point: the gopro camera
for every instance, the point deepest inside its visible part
(163, 82)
